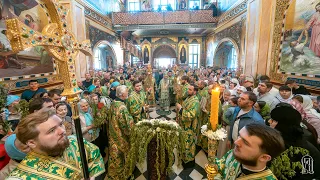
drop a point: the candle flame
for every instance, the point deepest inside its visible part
(217, 89)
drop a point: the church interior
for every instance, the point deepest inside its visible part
(161, 89)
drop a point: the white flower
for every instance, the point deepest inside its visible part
(219, 134)
(158, 129)
(204, 128)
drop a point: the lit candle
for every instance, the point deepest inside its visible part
(214, 108)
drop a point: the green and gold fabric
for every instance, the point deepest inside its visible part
(120, 125)
(66, 167)
(189, 123)
(129, 85)
(229, 169)
(135, 104)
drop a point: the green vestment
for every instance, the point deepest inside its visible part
(229, 169)
(119, 134)
(135, 105)
(189, 123)
(66, 167)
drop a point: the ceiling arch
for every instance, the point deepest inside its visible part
(164, 51)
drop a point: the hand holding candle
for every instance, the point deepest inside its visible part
(214, 108)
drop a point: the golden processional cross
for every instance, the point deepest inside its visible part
(61, 44)
(56, 38)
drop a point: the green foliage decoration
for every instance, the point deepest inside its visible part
(283, 166)
(168, 136)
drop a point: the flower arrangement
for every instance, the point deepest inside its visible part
(168, 136)
(219, 134)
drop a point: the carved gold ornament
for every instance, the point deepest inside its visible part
(56, 38)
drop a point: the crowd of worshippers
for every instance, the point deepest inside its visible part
(262, 122)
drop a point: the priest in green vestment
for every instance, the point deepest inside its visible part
(128, 82)
(120, 125)
(183, 92)
(256, 145)
(189, 112)
(53, 155)
(137, 102)
(164, 92)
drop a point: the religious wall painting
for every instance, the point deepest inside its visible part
(183, 47)
(183, 55)
(300, 51)
(30, 61)
(146, 55)
(210, 52)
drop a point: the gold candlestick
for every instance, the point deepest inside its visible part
(211, 168)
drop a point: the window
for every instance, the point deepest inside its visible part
(134, 60)
(163, 4)
(194, 55)
(133, 5)
(233, 58)
(194, 4)
(97, 59)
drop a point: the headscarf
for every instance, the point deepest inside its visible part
(87, 115)
(114, 84)
(242, 88)
(11, 99)
(289, 120)
(11, 149)
(308, 106)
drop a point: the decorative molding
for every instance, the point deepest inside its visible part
(281, 7)
(166, 26)
(233, 32)
(186, 16)
(91, 14)
(233, 13)
(97, 35)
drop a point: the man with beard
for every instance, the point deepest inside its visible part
(189, 114)
(164, 92)
(256, 145)
(183, 93)
(120, 125)
(263, 92)
(136, 102)
(205, 105)
(53, 155)
(128, 82)
(243, 115)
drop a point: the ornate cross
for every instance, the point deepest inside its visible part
(56, 38)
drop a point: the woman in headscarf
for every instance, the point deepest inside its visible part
(288, 165)
(90, 133)
(11, 113)
(311, 115)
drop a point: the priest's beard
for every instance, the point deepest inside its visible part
(252, 161)
(57, 150)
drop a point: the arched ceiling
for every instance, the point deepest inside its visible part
(164, 51)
